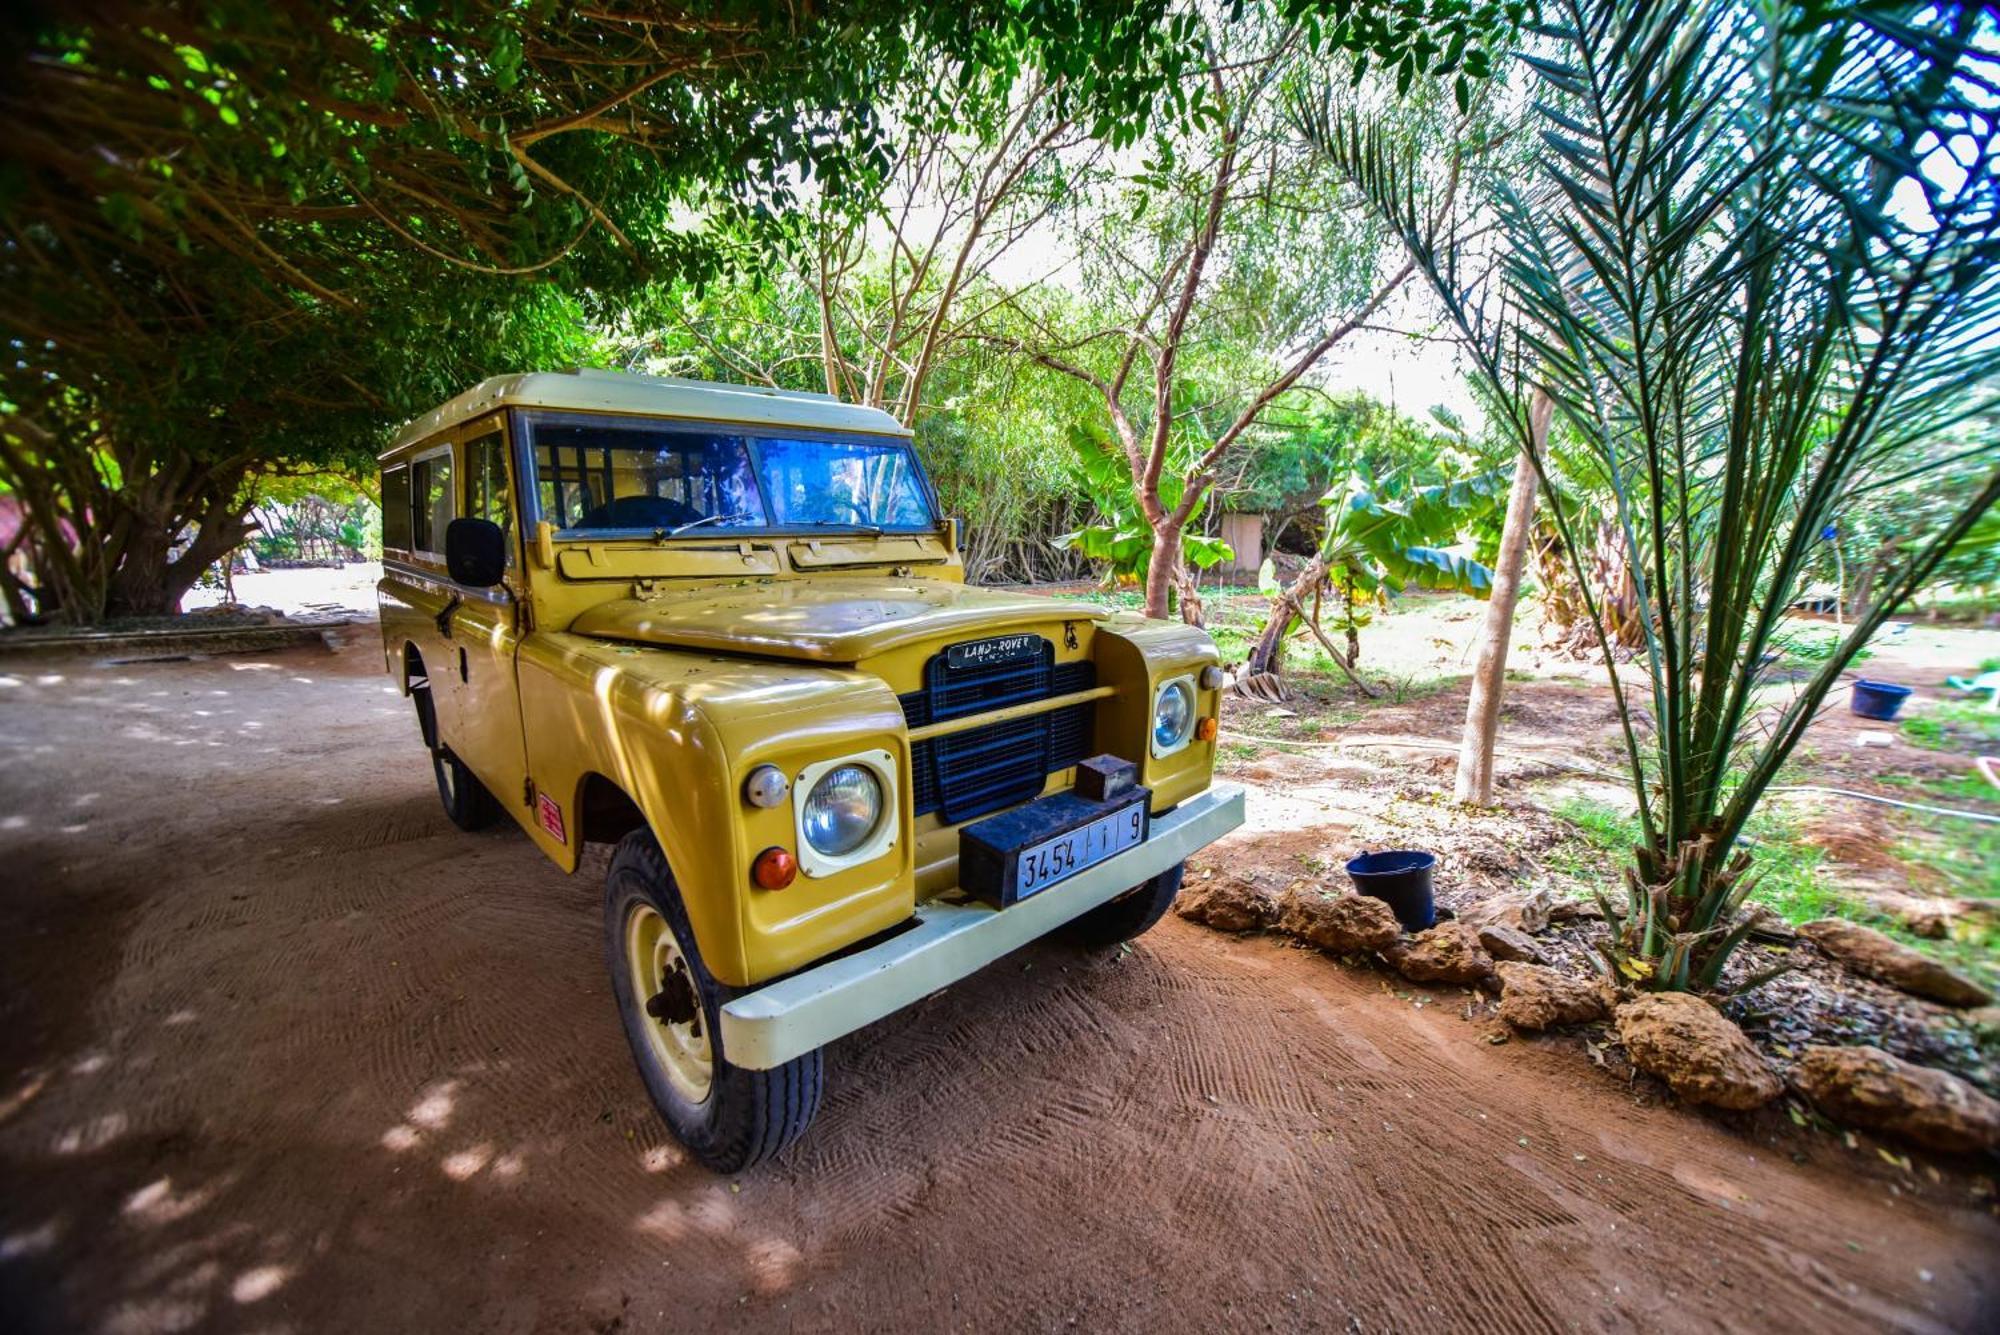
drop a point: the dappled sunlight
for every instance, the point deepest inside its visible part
(93, 1135)
(158, 1203)
(253, 667)
(154, 1315)
(433, 1110)
(774, 1264)
(401, 1137)
(465, 1164)
(258, 1283)
(708, 1210)
(30, 1242)
(32, 1085)
(660, 1158)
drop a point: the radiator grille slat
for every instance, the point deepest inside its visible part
(982, 769)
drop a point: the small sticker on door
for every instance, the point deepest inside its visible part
(551, 815)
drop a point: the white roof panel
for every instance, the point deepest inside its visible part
(649, 396)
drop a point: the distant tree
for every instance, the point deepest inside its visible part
(1221, 274)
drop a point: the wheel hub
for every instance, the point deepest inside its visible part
(674, 1003)
(663, 986)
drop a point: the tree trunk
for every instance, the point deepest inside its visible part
(1489, 677)
(1163, 569)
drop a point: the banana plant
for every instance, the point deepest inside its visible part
(1754, 259)
(1370, 547)
(1122, 542)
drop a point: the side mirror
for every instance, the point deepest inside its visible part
(475, 552)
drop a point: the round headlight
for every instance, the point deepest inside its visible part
(842, 810)
(1173, 715)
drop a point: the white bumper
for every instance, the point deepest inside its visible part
(794, 1015)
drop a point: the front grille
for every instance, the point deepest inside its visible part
(967, 774)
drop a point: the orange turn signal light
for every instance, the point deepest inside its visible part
(774, 869)
(1206, 729)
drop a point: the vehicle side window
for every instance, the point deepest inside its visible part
(432, 504)
(396, 508)
(486, 492)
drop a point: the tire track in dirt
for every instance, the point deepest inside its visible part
(347, 1068)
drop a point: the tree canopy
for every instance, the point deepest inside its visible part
(235, 230)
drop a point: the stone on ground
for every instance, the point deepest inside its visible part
(1448, 953)
(1868, 1087)
(1345, 924)
(1694, 1048)
(1533, 996)
(1867, 951)
(1505, 943)
(1522, 910)
(1225, 903)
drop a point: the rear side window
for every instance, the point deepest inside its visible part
(432, 504)
(396, 508)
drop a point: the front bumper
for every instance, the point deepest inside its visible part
(794, 1015)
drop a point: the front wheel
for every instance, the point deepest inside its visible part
(727, 1116)
(1131, 914)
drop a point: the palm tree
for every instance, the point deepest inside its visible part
(1755, 260)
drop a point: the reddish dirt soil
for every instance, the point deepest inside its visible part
(280, 1050)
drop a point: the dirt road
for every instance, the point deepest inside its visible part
(280, 1050)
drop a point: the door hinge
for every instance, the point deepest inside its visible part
(528, 792)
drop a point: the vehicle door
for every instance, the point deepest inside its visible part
(486, 626)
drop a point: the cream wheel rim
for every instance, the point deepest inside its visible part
(657, 969)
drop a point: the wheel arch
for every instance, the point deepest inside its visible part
(605, 812)
(415, 680)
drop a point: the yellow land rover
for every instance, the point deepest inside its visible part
(725, 630)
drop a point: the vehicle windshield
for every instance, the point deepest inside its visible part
(635, 473)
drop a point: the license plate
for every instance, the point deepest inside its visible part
(1043, 865)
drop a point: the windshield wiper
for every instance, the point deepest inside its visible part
(718, 518)
(846, 525)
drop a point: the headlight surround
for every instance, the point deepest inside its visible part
(843, 809)
(846, 811)
(1173, 715)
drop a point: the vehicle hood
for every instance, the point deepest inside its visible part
(825, 620)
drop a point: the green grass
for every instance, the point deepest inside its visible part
(1788, 868)
(1812, 643)
(1962, 855)
(1955, 725)
(1961, 858)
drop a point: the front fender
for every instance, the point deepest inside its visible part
(679, 732)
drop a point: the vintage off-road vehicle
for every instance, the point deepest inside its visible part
(725, 630)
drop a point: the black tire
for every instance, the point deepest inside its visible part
(747, 1116)
(1130, 915)
(465, 798)
(466, 801)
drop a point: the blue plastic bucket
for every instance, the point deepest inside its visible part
(1877, 699)
(1400, 878)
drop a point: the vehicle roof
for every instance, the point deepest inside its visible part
(648, 396)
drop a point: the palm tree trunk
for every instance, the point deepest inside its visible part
(1489, 677)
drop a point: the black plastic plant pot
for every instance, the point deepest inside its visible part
(1401, 878)
(1880, 700)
